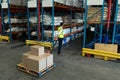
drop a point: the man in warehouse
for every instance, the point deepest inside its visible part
(60, 37)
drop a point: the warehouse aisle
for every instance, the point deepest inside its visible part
(70, 65)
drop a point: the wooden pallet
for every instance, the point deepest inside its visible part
(23, 68)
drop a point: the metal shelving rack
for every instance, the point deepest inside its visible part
(36, 9)
(114, 25)
(53, 8)
(10, 11)
(98, 35)
(116, 28)
(70, 9)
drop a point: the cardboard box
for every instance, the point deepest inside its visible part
(36, 63)
(49, 61)
(106, 47)
(37, 50)
(24, 58)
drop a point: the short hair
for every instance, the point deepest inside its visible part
(61, 24)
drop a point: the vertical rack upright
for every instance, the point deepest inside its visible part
(116, 28)
(99, 33)
(34, 7)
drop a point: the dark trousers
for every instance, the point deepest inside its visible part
(60, 45)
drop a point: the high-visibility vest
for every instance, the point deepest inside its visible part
(60, 32)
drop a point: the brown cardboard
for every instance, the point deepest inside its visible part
(37, 50)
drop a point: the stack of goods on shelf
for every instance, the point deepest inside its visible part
(33, 19)
(69, 2)
(14, 2)
(67, 19)
(16, 29)
(37, 60)
(48, 3)
(47, 19)
(75, 3)
(15, 19)
(95, 13)
(60, 1)
(75, 21)
(118, 15)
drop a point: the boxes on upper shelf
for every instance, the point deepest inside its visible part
(37, 50)
(48, 3)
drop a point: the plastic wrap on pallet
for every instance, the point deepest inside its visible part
(13, 20)
(67, 19)
(94, 2)
(77, 20)
(77, 3)
(74, 29)
(118, 1)
(14, 2)
(48, 20)
(48, 3)
(60, 1)
(118, 17)
(78, 16)
(16, 29)
(32, 3)
(69, 2)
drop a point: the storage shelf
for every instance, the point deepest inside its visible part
(16, 8)
(59, 6)
(17, 32)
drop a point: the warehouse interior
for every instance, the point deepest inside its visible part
(29, 39)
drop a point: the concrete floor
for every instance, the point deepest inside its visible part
(70, 65)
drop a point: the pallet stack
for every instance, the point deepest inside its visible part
(97, 11)
(36, 60)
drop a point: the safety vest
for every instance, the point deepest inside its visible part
(60, 32)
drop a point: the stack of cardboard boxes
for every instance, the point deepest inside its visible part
(37, 60)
